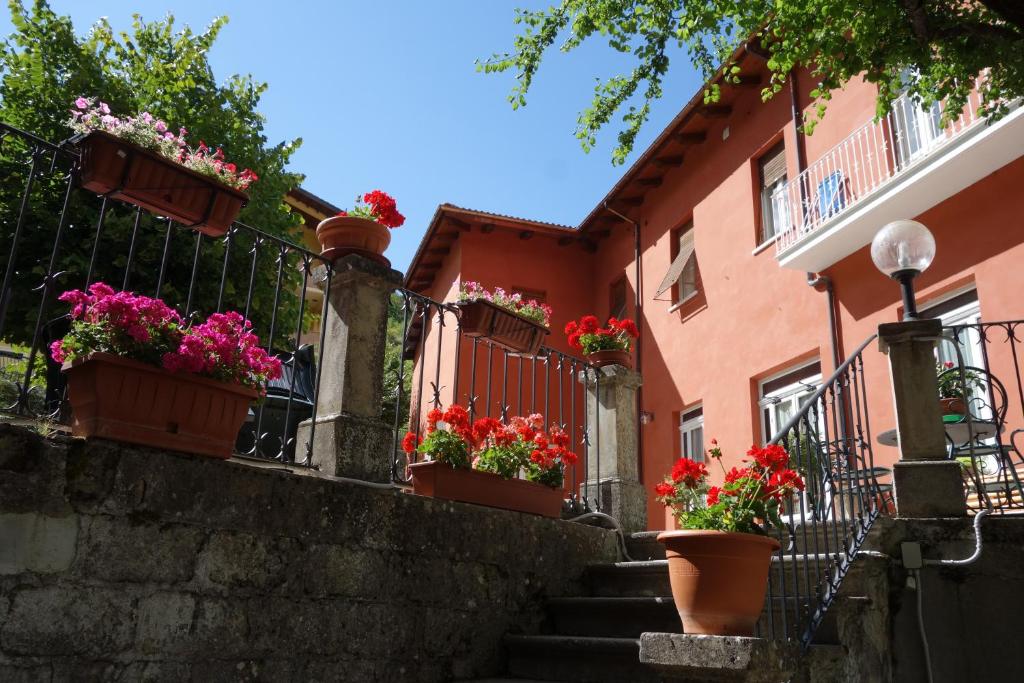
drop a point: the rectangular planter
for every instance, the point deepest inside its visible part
(504, 328)
(441, 480)
(116, 398)
(114, 167)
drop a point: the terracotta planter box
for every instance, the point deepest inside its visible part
(115, 398)
(610, 357)
(718, 579)
(952, 406)
(342, 235)
(504, 328)
(113, 167)
(440, 480)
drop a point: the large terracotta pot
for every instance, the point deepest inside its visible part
(343, 235)
(504, 328)
(111, 166)
(718, 579)
(952, 406)
(610, 357)
(115, 398)
(441, 480)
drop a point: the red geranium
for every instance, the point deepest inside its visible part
(377, 206)
(588, 336)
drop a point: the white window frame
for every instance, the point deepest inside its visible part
(691, 434)
(789, 394)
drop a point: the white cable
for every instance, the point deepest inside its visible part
(916, 573)
(977, 546)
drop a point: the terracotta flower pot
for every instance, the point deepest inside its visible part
(116, 398)
(718, 579)
(610, 357)
(111, 166)
(952, 406)
(441, 480)
(504, 328)
(343, 235)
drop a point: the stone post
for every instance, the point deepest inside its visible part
(350, 439)
(927, 482)
(612, 474)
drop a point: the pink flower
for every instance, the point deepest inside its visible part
(82, 103)
(57, 349)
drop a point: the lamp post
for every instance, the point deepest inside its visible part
(903, 250)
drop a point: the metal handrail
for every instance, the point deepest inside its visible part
(802, 414)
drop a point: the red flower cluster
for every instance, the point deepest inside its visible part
(552, 450)
(689, 472)
(588, 336)
(384, 209)
(772, 457)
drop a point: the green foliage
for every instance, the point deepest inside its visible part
(506, 460)
(551, 476)
(947, 42)
(157, 67)
(448, 447)
(396, 398)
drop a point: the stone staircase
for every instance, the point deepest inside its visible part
(619, 632)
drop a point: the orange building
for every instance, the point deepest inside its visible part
(740, 246)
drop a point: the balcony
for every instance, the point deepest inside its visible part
(896, 167)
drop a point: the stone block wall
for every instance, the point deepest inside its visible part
(123, 563)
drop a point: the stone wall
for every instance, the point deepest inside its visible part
(972, 613)
(123, 563)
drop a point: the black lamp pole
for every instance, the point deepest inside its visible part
(906, 280)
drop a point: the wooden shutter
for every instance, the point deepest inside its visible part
(773, 166)
(675, 270)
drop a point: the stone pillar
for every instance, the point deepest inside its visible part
(612, 429)
(350, 439)
(927, 483)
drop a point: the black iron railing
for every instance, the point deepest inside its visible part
(430, 363)
(985, 431)
(829, 442)
(56, 236)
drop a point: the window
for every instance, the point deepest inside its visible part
(783, 396)
(915, 127)
(617, 299)
(775, 216)
(682, 274)
(691, 434)
(963, 312)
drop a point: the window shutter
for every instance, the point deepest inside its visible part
(773, 166)
(686, 247)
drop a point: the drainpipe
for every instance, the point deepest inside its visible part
(638, 306)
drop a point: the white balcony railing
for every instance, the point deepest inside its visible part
(867, 160)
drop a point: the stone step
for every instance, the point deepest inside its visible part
(577, 659)
(612, 617)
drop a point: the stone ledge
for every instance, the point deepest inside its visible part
(719, 658)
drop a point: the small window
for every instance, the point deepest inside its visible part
(682, 275)
(775, 216)
(617, 299)
(783, 396)
(691, 434)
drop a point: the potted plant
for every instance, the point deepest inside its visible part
(365, 229)
(719, 559)
(508, 320)
(480, 462)
(954, 390)
(602, 346)
(136, 373)
(138, 160)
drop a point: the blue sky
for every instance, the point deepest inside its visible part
(385, 95)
